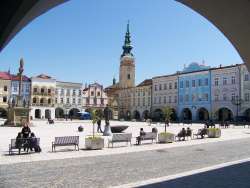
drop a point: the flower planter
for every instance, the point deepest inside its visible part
(94, 143)
(166, 137)
(214, 133)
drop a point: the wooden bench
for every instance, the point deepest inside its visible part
(66, 141)
(23, 143)
(120, 137)
(148, 136)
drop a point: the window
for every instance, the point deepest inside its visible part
(56, 91)
(186, 98)
(160, 87)
(49, 101)
(55, 100)
(102, 101)
(233, 96)
(216, 81)
(169, 99)
(79, 101)
(200, 82)
(155, 100)
(233, 79)
(35, 90)
(49, 91)
(143, 93)
(27, 88)
(5, 88)
(247, 98)
(175, 85)
(159, 100)
(181, 98)
(246, 77)
(68, 91)
(155, 87)
(67, 101)
(175, 99)
(224, 81)
(62, 91)
(92, 93)
(149, 101)
(61, 100)
(143, 101)
(193, 83)
(15, 87)
(74, 92)
(206, 81)
(42, 90)
(193, 97)
(205, 97)
(165, 86)
(164, 100)
(95, 101)
(170, 85)
(98, 93)
(41, 101)
(79, 92)
(187, 84)
(74, 100)
(216, 97)
(34, 100)
(181, 84)
(225, 97)
(128, 76)
(5, 99)
(87, 101)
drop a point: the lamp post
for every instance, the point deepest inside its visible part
(237, 101)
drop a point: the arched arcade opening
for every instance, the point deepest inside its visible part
(202, 114)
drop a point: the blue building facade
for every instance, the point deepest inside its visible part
(194, 93)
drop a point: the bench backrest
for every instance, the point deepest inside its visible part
(67, 140)
(21, 142)
(121, 136)
(150, 135)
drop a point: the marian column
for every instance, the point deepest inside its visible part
(20, 74)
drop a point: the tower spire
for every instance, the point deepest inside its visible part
(127, 47)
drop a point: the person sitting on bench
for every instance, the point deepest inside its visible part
(182, 134)
(139, 138)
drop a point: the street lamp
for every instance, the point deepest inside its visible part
(237, 101)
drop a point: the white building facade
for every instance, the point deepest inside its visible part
(42, 97)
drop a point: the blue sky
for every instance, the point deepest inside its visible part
(81, 40)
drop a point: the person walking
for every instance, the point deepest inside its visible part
(99, 128)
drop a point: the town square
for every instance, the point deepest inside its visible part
(124, 94)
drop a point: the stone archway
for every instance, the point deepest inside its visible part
(224, 114)
(146, 114)
(3, 113)
(173, 116)
(158, 115)
(37, 113)
(202, 114)
(136, 115)
(74, 113)
(59, 113)
(187, 114)
(247, 114)
(47, 114)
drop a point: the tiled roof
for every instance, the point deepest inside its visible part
(146, 82)
(44, 76)
(16, 78)
(5, 76)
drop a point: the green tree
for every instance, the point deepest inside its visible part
(167, 112)
(95, 118)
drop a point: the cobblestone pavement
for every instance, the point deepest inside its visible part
(113, 170)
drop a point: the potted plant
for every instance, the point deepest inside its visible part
(166, 137)
(94, 142)
(214, 132)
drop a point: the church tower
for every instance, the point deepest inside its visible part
(127, 64)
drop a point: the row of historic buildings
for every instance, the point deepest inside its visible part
(49, 98)
(198, 92)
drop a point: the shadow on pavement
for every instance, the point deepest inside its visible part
(235, 176)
